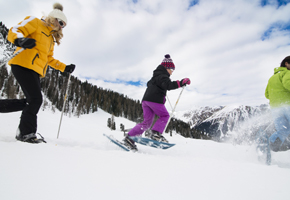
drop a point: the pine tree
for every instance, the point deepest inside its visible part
(10, 88)
(3, 75)
(113, 124)
(109, 122)
(122, 127)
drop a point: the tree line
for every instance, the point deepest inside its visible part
(82, 96)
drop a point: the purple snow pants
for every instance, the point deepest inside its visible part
(149, 111)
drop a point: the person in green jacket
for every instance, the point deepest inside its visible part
(278, 92)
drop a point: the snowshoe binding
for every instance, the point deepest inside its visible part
(130, 144)
(155, 135)
(30, 138)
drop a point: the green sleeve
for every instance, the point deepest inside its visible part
(266, 92)
(286, 80)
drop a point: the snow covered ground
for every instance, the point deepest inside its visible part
(83, 165)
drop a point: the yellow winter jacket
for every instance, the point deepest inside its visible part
(39, 57)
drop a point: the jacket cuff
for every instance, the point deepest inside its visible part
(178, 83)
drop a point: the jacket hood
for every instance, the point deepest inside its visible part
(160, 70)
(280, 69)
(278, 88)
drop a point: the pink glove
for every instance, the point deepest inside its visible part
(183, 82)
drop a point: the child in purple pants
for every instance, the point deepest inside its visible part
(153, 102)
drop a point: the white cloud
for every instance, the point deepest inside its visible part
(216, 43)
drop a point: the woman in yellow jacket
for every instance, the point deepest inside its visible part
(37, 37)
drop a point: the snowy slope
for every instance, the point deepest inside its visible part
(84, 165)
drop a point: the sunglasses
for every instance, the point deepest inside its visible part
(61, 23)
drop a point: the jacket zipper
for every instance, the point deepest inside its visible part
(45, 67)
(37, 55)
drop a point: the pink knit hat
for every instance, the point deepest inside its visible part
(168, 63)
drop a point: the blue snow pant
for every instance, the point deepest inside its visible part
(149, 111)
(281, 117)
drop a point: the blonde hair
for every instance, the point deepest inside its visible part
(57, 33)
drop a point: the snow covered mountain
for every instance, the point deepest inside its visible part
(221, 121)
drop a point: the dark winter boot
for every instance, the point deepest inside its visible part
(130, 143)
(275, 146)
(30, 138)
(155, 135)
(285, 146)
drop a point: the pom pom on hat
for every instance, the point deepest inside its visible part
(167, 62)
(57, 12)
(58, 6)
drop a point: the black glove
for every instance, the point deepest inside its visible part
(70, 68)
(26, 43)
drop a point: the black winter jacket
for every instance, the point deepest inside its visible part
(158, 86)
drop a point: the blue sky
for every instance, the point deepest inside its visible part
(277, 27)
(275, 2)
(228, 49)
(193, 3)
(134, 83)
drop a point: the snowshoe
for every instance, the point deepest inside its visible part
(286, 145)
(30, 138)
(279, 146)
(275, 146)
(130, 144)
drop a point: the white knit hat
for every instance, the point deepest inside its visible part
(57, 12)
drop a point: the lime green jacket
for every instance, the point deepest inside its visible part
(278, 88)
